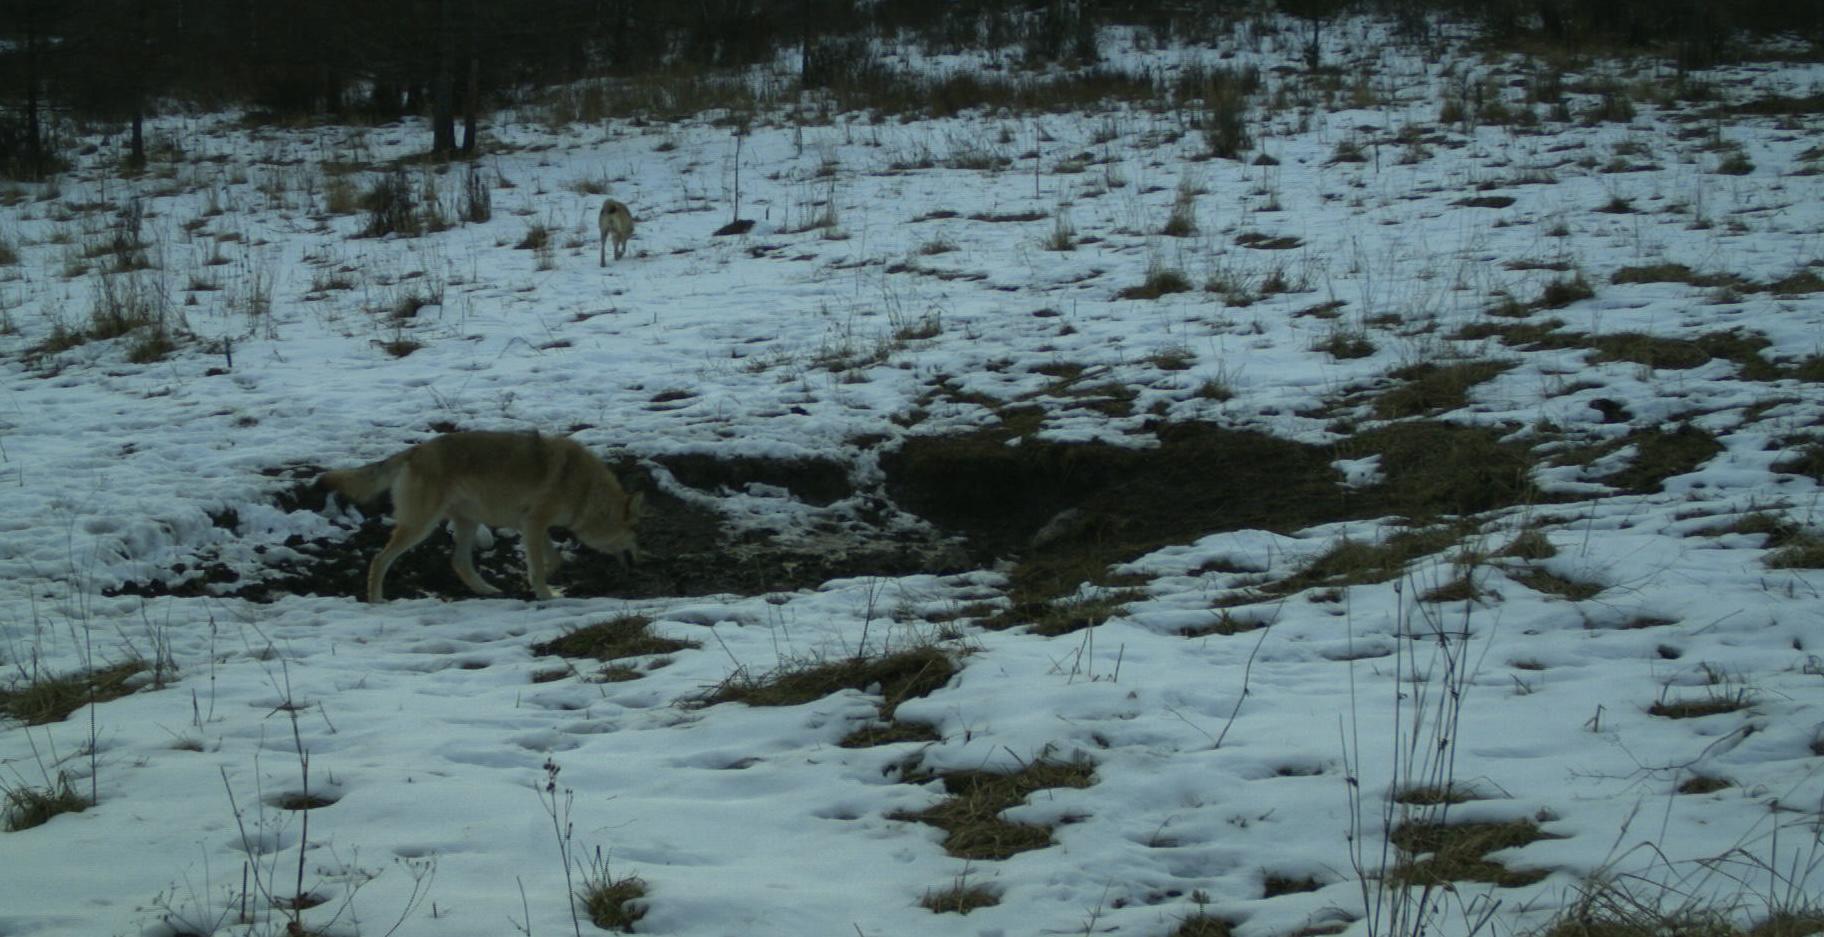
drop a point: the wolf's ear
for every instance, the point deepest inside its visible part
(636, 504)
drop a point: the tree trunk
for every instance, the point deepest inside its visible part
(137, 155)
(34, 133)
(471, 107)
(471, 104)
(443, 91)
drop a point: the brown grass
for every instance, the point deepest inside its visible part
(971, 815)
(1433, 388)
(616, 638)
(959, 897)
(901, 675)
(1458, 853)
(609, 903)
(52, 699)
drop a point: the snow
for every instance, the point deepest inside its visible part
(1219, 760)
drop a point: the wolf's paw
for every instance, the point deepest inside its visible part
(551, 592)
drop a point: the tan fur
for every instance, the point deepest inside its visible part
(521, 480)
(617, 222)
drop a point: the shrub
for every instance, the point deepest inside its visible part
(391, 206)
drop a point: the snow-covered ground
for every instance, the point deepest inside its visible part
(879, 270)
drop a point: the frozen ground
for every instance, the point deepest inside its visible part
(898, 286)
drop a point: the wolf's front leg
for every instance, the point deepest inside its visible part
(541, 560)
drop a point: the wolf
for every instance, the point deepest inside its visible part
(617, 222)
(525, 481)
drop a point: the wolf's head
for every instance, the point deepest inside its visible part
(611, 528)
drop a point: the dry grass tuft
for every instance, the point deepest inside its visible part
(52, 699)
(1159, 282)
(900, 675)
(1619, 908)
(959, 897)
(610, 904)
(1434, 854)
(22, 808)
(616, 638)
(971, 816)
(1202, 925)
(1433, 388)
(1548, 583)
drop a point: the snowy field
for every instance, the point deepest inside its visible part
(1615, 658)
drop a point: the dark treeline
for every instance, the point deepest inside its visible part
(118, 60)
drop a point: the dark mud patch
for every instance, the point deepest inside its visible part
(1064, 512)
(1068, 511)
(687, 550)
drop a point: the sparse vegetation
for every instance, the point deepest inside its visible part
(620, 637)
(24, 807)
(1346, 343)
(959, 897)
(611, 902)
(971, 815)
(1160, 281)
(49, 698)
(1432, 388)
(898, 675)
(392, 206)
(1435, 854)
(1617, 907)
(888, 428)
(1353, 562)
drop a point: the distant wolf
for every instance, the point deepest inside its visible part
(617, 222)
(521, 480)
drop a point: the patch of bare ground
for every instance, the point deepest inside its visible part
(616, 639)
(891, 733)
(1096, 505)
(49, 698)
(1674, 273)
(1063, 511)
(1433, 388)
(959, 897)
(1659, 455)
(970, 814)
(897, 676)
(1437, 854)
(1716, 701)
(1202, 925)
(1549, 583)
(686, 548)
(1743, 348)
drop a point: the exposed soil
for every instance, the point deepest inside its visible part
(1068, 511)
(686, 550)
(1062, 511)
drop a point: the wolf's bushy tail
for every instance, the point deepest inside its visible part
(364, 484)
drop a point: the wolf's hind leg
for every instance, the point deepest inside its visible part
(462, 558)
(406, 535)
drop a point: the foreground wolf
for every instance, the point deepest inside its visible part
(520, 480)
(617, 222)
